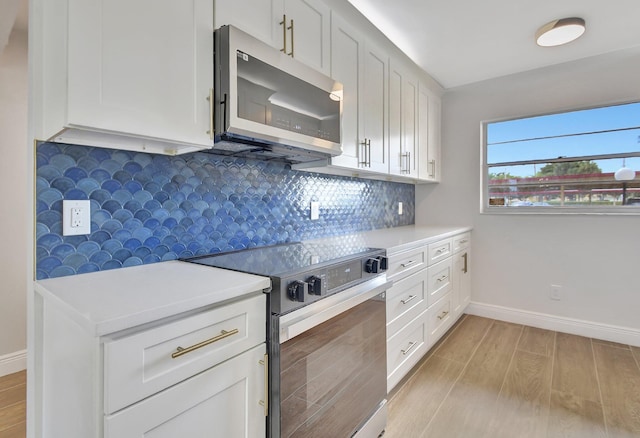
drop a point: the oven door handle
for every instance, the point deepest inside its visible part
(301, 320)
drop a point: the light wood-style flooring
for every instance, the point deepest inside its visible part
(491, 379)
(488, 379)
(13, 396)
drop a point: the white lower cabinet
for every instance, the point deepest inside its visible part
(197, 374)
(405, 348)
(222, 401)
(461, 273)
(431, 289)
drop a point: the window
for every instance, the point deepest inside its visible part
(570, 161)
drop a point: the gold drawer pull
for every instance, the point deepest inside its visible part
(211, 130)
(409, 263)
(223, 334)
(443, 314)
(411, 345)
(410, 298)
(265, 402)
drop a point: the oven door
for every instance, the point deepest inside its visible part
(329, 365)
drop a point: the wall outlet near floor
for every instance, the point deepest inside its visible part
(76, 218)
(399, 207)
(315, 210)
(555, 292)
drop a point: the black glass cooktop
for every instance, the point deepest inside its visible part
(285, 259)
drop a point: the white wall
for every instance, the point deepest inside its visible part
(14, 174)
(596, 259)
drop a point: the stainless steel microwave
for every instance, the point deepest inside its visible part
(269, 105)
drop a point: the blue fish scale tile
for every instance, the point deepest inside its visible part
(149, 208)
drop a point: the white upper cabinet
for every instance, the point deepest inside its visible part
(374, 109)
(299, 28)
(429, 115)
(134, 74)
(347, 51)
(256, 17)
(403, 122)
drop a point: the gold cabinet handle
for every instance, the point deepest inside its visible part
(265, 402)
(223, 334)
(443, 314)
(407, 264)
(465, 256)
(410, 298)
(411, 345)
(283, 23)
(210, 99)
(291, 29)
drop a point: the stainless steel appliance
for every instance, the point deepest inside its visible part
(326, 336)
(269, 105)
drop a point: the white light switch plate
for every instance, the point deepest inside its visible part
(315, 210)
(76, 218)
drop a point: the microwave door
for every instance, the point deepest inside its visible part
(269, 96)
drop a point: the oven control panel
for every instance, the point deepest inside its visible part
(304, 288)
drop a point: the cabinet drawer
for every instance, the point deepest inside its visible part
(439, 251)
(439, 318)
(406, 300)
(461, 242)
(404, 263)
(439, 280)
(405, 349)
(141, 364)
(225, 398)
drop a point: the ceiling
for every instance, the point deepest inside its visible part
(463, 41)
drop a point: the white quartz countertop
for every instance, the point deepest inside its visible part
(108, 301)
(402, 238)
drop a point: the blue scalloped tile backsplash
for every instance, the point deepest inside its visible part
(148, 208)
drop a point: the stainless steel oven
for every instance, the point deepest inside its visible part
(326, 336)
(329, 365)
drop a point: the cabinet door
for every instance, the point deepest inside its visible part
(346, 62)
(403, 110)
(428, 135)
(224, 401)
(141, 67)
(395, 121)
(410, 126)
(461, 281)
(374, 104)
(258, 18)
(309, 40)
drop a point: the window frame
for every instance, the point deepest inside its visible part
(485, 208)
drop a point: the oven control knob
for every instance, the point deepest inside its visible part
(296, 290)
(372, 266)
(315, 285)
(384, 263)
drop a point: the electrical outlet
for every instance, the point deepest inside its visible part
(76, 218)
(399, 207)
(315, 210)
(555, 292)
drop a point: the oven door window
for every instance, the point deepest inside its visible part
(333, 376)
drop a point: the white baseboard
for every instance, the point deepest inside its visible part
(13, 362)
(623, 335)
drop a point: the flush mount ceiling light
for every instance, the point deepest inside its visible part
(559, 32)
